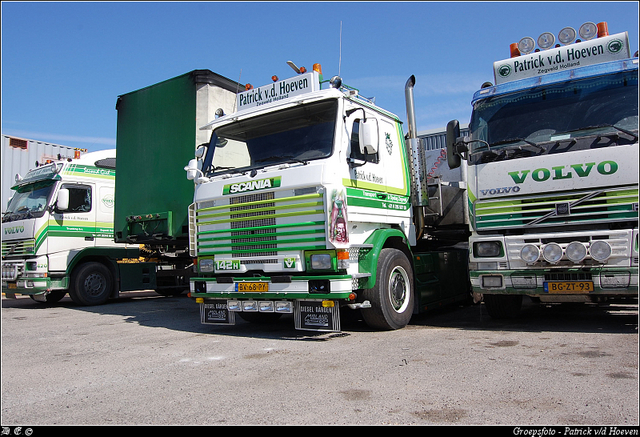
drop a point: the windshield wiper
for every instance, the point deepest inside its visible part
(506, 141)
(286, 158)
(624, 131)
(600, 126)
(513, 140)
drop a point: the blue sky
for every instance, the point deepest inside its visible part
(64, 64)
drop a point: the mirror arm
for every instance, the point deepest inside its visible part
(353, 163)
(351, 111)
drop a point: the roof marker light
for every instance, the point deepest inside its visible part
(567, 35)
(248, 87)
(603, 29)
(546, 40)
(526, 45)
(274, 78)
(513, 49)
(588, 30)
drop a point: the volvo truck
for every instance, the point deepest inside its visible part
(552, 165)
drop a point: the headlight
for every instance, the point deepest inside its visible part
(530, 253)
(552, 252)
(600, 251)
(487, 249)
(321, 261)
(576, 251)
(205, 264)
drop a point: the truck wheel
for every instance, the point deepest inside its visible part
(503, 306)
(392, 296)
(91, 284)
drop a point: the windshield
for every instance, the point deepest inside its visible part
(29, 201)
(590, 113)
(297, 134)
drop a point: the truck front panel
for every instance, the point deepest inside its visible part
(553, 185)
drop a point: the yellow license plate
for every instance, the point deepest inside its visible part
(568, 287)
(252, 287)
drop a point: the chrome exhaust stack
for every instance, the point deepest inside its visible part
(419, 192)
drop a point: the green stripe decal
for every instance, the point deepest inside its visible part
(374, 199)
(89, 171)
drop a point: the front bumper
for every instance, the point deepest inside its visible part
(286, 287)
(34, 286)
(551, 284)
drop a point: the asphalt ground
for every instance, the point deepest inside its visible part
(146, 360)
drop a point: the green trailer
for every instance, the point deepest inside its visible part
(157, 134)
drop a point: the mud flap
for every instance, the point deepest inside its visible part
(317, 315)
(216, 313)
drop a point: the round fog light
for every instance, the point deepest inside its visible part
(530, 253)
(552, 252)
(546, 40)
(600, 251)
(576, 251)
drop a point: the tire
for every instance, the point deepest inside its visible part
(392, 297)
(503, 306)
(91, 284)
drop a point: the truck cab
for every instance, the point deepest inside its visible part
(552, 161)
(303, 205)
(56, 229)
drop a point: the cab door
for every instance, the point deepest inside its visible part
(366, 186)
(73, 229)
(393, 158)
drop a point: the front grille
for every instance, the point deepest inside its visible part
(18, 248)
(558, 209)
(251, 213)
(260, 228)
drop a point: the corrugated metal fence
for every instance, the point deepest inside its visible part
(437, 139)
(20, 155)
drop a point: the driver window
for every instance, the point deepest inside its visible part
(355, 145)
(79, 198)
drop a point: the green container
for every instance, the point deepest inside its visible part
(158, 132)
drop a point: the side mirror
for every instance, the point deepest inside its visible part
(368, 136)
(192, 169)
(62, 204)
(453, 132)
(200, 151)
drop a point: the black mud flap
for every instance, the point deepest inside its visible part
(216, 313)
(317, 315)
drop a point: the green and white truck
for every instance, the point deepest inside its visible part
(552, 164)
(57, 234)
(309, 201)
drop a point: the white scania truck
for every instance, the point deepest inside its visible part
(308, 201)
(552, 163)
(57, 235)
